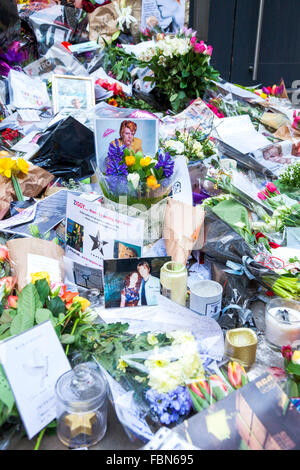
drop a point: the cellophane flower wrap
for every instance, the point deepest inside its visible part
(135, 178)
(181, 67)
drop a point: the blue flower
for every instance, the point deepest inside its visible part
(166, 163)
(170, 406)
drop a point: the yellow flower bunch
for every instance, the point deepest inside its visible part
(9, 167)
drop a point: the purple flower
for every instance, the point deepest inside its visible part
(116, 169)
(166, 163)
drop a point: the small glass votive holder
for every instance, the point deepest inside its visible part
(241, 344)
(81, 401)
(282, 322)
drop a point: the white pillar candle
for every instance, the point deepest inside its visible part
(282, 322)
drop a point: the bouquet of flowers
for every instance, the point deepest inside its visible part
(181, 67)
(194, 145)
(12, 168)
(215, 387)
(139, 178)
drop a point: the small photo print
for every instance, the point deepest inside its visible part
(85, 276)
(132, 282)
(126, 250)
(75, 234)
(71, 92)
(138, 135)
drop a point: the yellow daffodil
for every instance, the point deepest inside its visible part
(130, 160)
(145, 161)
(22, 166)
(85, 303)
(152, 182)
(122, 365)
(40, 275)
(7, 165)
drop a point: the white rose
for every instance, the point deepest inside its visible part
(175, 145)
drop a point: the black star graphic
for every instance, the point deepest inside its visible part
(98, 243)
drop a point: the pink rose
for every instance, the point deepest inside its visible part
(200, 48)
(209, 50)
(193, 40)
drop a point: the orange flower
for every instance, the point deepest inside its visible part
(152, 182)
(113, 102)
(9, 282)
(130, 160)
(12, 301)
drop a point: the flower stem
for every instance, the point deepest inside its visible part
(39, 439)
(72, 332)
(17, 188)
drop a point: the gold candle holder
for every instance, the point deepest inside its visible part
(241, 344)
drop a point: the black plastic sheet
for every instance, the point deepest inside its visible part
(66, 150)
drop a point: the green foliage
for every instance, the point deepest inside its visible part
(291, 176)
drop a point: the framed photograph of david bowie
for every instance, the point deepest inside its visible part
(71, 92)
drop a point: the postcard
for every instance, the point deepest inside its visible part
(33, 361)
(132, 282)
(138, 135)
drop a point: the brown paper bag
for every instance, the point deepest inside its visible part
(51, 259)
(31, 185)
(183, 230)
(102, 23)
(287, 133)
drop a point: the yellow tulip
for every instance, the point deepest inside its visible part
(85, 303)
(145, 161)
(130, 160)
(152, 182)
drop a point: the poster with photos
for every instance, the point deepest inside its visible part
(94, 233)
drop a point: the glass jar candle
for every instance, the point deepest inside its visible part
(81, 406)
(282, 322)
(173, 280)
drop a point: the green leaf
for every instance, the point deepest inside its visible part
(56, 306)
(29, 301)
(67, 339)
(126, 152)
(6, 395)
(43, 314)
(115, 36)
(294, 368)
(43, 289)
(173, 97)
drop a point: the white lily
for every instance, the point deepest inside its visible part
(124, 14)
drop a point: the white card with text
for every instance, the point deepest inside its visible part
(33, 361)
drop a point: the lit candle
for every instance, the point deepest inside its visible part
(282, 322)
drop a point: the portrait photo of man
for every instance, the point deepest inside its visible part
(127, 137)
(150, 285)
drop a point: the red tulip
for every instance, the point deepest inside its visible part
(287, 352)
(236, 372)
(12, 301)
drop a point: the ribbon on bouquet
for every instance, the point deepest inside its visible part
(240, 269)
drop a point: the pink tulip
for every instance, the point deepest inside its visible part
(3, 253)
(272, 188)
(261, 196)
(235, 373)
